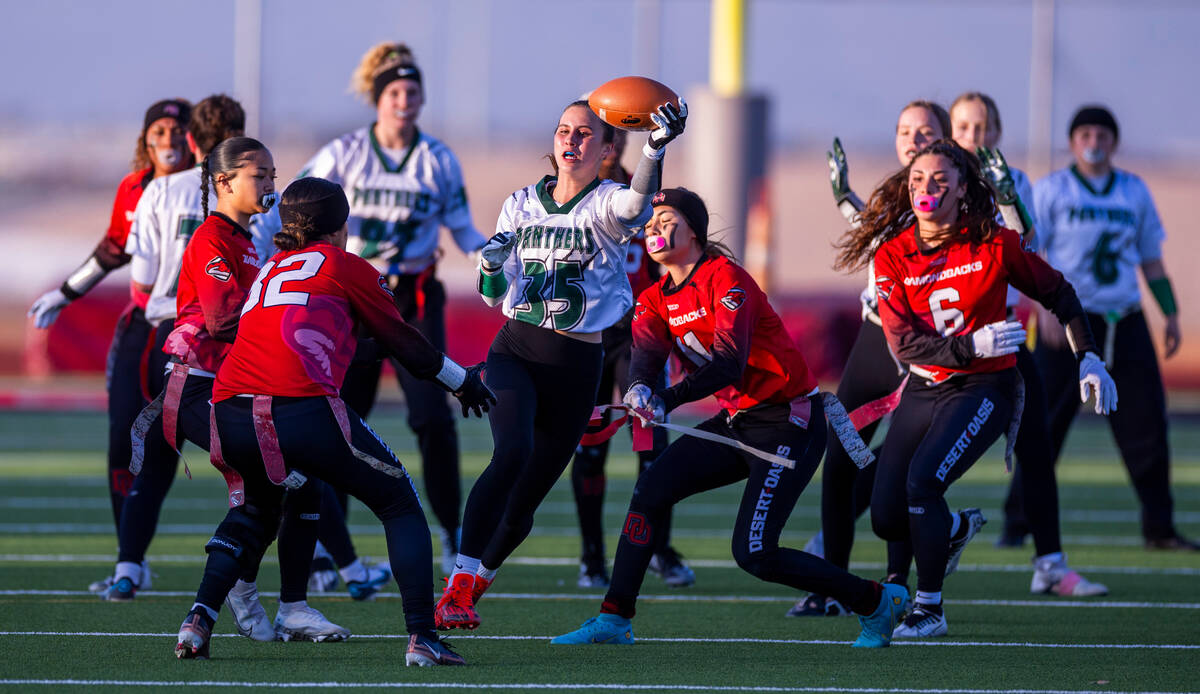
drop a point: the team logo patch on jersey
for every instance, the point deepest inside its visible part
(734, 298)
(383, 285)
(638, 310)
(219, 269)
(884, 286)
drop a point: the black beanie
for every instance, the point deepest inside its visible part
(178, 109)
(690, 206)
(1094, 115)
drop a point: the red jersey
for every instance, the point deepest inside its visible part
(218, 266)
(298, 329)
(730, 341)
(110, 252)
(931, 301)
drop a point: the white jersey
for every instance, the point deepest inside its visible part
(167, 215)
(397, 207)
(1098, 238)
(567, 271)
(1025, 192)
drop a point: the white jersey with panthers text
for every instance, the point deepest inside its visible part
(1098, 237)
(1025, 192)
(567, 271)
(167, 215)
(397, 206)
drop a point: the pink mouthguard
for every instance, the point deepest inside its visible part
(928, 203)
(655, 244)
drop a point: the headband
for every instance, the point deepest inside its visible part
(178, 109)
(391, 74)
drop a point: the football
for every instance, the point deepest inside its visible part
(627, 102)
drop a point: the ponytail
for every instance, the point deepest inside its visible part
(204, 176)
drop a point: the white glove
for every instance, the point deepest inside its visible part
(640, 397)
(998, 339)
(1094, 377)
(497, 250)
(45, 309)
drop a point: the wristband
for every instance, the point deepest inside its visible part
(87, 276)
(452, 376)
(1160, 287)
(651, 153)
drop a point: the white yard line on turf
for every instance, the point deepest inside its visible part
(199, 559)
(781, 642)
(545, 685)
(1084, 603)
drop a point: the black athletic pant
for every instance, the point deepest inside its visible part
(587, 473)
(937, 434)
(1033, 490)
(429, 413)
(312, 443)
(133, 339)
(691, 465)
(545, 385)
(1139, 425)
(871, 373)
(139, 520)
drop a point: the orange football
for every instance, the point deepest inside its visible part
(627, 102)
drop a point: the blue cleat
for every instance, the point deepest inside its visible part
(603, 628)
(365, 590)
(877, 628)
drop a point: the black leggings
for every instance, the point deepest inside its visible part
(691, 465)
(1140, 423)
(429, 413)
(545, 386)
(937, 434)
(312, 442)
(587, 471)
(133, 338)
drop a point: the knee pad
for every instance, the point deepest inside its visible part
(244, 534)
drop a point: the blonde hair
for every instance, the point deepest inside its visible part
(380, 57)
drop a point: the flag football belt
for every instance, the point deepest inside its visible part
(800, 415)
(166, 405)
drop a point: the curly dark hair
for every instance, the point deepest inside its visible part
(889, 210)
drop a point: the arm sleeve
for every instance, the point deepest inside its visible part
(144, 236)
(1150, 232)
(912, 341)
(220, 296)
(1034, 277)
(732, 328)
(456, 213)
(373, 304)
(629, 208)
(492, 286)
(652, 342)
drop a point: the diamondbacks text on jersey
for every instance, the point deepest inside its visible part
(730, 341)
(167, 215)
(951, 291)
(397, 208)
(567, 271)
(1098, 237)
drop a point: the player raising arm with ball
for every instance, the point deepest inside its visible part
(710, 313)
(557, 264)
(942, 269)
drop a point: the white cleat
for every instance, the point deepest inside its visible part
(248, 613)
(1055, 577)
(973, 520)
(921, 624)
(299, 622)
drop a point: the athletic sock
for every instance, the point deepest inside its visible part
(128, 569)
(465, 565)
(930, 600)
(486, 573)
(286, 607)
(212, 614)
(1053, 558)
(355, 572)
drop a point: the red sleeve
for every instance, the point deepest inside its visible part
(652, 343)
(734, 303)
(1035, 278)
(213, 267)
(911, 340)
(110, 252)
(373, 305)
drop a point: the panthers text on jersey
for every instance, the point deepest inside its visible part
(398, 208)
(166, 217)
(298, 329)
(932, 300)
(1098, 237)
(217, 269)
(729, 340)
(567, 271)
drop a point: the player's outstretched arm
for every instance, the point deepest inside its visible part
(493, 283)
(631, 204)
(1000, 178)
(1155, 273)
(848, 203)
(47, 307)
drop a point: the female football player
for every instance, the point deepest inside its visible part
(871, 372)
(278, 419)
(1099, 226)
(556, 264)
(161, 150)
(975, 122)
(404, 185)
(942, 268)
(710, 313)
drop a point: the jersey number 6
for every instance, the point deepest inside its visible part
(275, 296)
(946, 320)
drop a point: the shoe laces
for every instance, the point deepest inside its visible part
(920, 615)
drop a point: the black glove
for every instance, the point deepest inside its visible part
(669, 122)
(474, 396)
